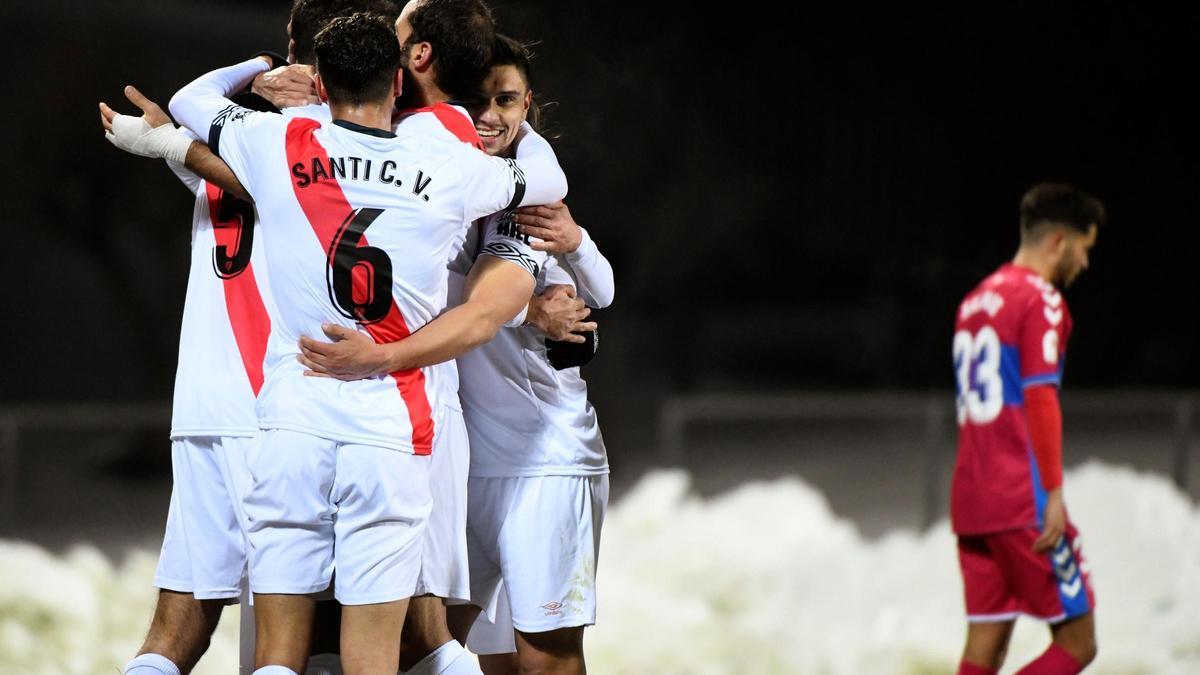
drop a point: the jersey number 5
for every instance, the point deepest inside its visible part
(359, 277)
(233, 228)
(977, 368)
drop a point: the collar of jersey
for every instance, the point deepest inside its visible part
(364, 130)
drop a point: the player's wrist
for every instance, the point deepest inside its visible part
(534, 316)
(136, 136)
(390, 358)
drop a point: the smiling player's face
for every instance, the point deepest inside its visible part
(504, 107)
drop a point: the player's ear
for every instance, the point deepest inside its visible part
(398, 83)
(1059, 240)
(528, 102)
(321, 93)
(291, 47)
(421, 56)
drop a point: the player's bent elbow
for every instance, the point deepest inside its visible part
(177, 105)
(602, 301)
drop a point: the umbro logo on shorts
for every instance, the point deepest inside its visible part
(553, 608)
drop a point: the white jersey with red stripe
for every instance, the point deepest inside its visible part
(223, 338)
(358, 224)
(452, 123)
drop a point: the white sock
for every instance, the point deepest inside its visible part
(275, 670)
(151, 664)
(449, 659)
(324, 664)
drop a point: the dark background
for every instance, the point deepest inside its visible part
(791, 199)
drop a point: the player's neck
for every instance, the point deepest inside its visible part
(373, 115)
(428, 94)
(1030, 259)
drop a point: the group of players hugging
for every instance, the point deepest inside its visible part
(380, 436)
(379, 423)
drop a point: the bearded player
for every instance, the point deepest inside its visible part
(1019, 552)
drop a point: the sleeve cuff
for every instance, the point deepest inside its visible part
(277, 61)
(586, 249)
(1048, 378)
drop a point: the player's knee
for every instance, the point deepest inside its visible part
(459, 619)
(551, 652)
(987, 644)
(1084, 649)
(499, 664)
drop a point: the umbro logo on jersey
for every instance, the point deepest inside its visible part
(231, 113)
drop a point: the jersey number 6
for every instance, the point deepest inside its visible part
(977, 368)
(359, 277)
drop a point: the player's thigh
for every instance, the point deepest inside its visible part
(383, 503)
(289, 513)
(548, 551)
(1052, 586)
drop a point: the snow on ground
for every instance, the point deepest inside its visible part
(763, 579)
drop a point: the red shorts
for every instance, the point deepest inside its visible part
(1003, 577)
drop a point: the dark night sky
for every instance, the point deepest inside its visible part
(790, 200)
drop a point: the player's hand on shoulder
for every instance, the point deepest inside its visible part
(552, 224)
(559, 314)
(287, 86)
(1054, 522)
(350, 355)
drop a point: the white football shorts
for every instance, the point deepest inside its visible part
(541, 536)
(315, 503)
(493, 635)
(444, 567)
(204, 546)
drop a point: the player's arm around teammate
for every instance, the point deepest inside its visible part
(552, 476)
(496, 291)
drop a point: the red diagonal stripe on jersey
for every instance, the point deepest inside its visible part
(455, 122)
(326, 207)
(243, 301)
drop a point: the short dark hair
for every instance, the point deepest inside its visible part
(358, 57)
(462, 33)
(310, 16)
(1049, 204)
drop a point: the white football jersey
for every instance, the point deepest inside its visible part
(357, 229)
(524, 418)
(226, 323)
(453, 123)
(223, 338)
